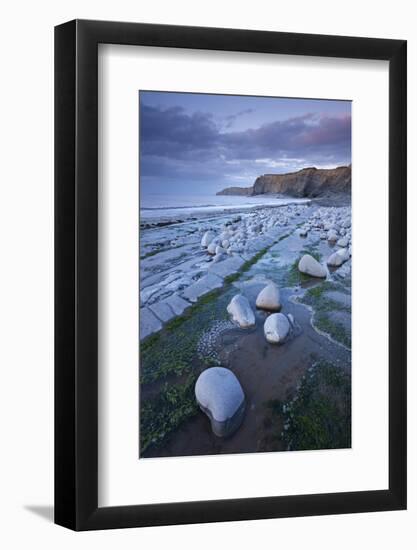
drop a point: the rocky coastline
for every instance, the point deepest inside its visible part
(306, 183)
(263, 295)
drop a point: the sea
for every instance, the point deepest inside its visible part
(163, 206)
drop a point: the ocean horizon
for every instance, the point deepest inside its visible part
(167, 206)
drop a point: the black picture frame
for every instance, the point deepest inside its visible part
(76, 272)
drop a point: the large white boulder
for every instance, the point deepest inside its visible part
(269, 298)
(310, 266)
(207, 238)
(344, 254)
(276, 328)
(241, 312)
(211, 249)
(338, 258)
(335, 260)
(220, 396)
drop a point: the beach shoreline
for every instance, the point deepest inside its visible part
(182, 286)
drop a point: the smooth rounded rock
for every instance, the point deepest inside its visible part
(338, 258)
(343, 242)
(207, 238)
(344, 254)
(332, 236)
(269, 298)
(310, 266)
(276, 328)
(211, 249)
(335, 260)
(220, 396)
(241, 312)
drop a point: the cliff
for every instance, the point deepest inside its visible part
(236, 191)
(308, 182)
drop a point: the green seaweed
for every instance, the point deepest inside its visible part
(160, 417)
(294, 275)
(315, 297)
(172, 350)
(319, 415)
(336, 330)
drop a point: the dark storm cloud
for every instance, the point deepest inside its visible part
(175, 143)
(172, 133)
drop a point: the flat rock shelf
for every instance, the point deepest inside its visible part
(185, 328)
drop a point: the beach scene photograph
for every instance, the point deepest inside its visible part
(245, 262)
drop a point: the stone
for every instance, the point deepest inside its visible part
(241, 312)
(310, 266)
(148, 323)
(338, 258)
(225, 243)
(203, 286)
(211, 249)
(269, 298)
(332, 236)
(220, 396)
(162, 311)
(276, 328)
(207, 238)
(344, 254)
(220, 250)
(343, 242)
(227, 267)
(335, 260)
(177, 304)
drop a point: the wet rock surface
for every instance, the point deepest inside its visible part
(268, 248)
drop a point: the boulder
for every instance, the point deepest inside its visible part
(276, 328)
(335, 260)
(211, 249)
(332, 236)
(344, 254)
(343, 242)
(338, 258)
(241, 312)
(269, 298)
(207, 238)
(220, 396)
(310, 266)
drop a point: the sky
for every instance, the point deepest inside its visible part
(201, 143)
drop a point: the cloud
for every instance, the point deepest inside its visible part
(231, 119)
(177, 144)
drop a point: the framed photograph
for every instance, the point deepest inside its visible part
(230, 253)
